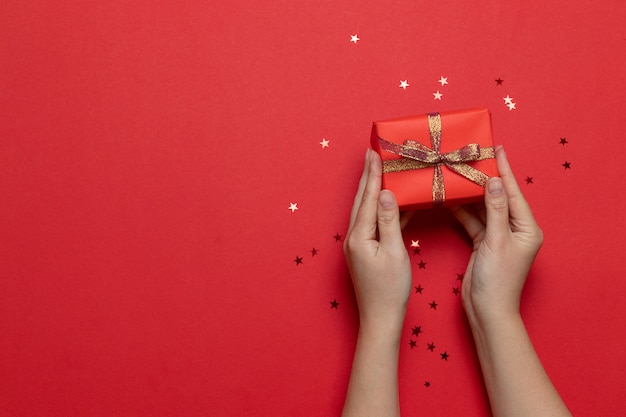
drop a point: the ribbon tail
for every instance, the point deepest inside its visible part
(470, 173)
(487, 152)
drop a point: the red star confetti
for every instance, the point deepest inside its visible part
(499, 81)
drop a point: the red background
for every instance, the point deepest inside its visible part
(149, 152)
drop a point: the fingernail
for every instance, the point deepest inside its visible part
(386, 199)
(494, 186)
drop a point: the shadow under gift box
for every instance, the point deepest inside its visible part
(414, 188)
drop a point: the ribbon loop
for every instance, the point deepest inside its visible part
(418, 156)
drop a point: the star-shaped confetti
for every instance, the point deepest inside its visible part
(566, 165)
(337, 237)
(415, 243)
(417, 251)
(416, 330)
(433, 305)
(437, 95)
(334, 304)
(418, 289)
(459, 277)
(508, 99)
(529, 180)
(456, 290)
(443, 80)
(404, 84)
(324, 143)
(293, 207)
(314, 251)
(511, 106)
(444, 356)
(422, 264)
(499, 81)
(298, 260)
(427, 384)
(412, 343)
(563, 141)
(354, 38)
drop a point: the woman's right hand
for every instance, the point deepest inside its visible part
(506, 240)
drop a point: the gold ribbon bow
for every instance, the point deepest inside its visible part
(418, 156)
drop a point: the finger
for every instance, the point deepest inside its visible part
(388, 220)
(365, 221)
(472, 223)
(518, 207)
(405, 218)
(497, 205)
(359, 193)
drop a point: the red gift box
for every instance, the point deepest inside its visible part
(436, 159)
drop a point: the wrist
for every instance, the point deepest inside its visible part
(495, 324)
(387, 329)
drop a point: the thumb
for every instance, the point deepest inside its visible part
(389, 231)
(497, 205)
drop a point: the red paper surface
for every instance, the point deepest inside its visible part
(414, 188)
(149, 154)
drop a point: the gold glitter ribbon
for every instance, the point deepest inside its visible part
(418, 156)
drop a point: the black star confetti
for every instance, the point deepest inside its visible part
(433, 305)
(563, 141)
(422, 264)
(314, 252)
(337, 237)
(456, 290)
(431, 346)
(418, 289)
(298, 260)
(427, 384)
(529, 180)
(566, 165)
(412, 343)
(499, 81)
(416, 330)
(334, 304)
(444, 356)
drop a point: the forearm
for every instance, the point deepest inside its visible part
(373, 387)
(516, 381)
